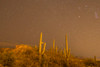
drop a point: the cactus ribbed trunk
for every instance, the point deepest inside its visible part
(40, 47)
(40, 43)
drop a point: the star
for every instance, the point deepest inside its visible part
(79, 16)
(86, 5)
(96, 15)
(79, 8)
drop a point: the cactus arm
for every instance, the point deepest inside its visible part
(44, 48)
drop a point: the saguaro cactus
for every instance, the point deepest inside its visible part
(53, 44)
(40, 43)
(56, 49)
(95, 59)
(40, 47)
(68, 55)
(66, 44)
(64, 52)
(67, 50)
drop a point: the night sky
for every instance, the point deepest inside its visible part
(21, 21)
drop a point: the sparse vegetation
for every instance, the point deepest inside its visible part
(27, 56)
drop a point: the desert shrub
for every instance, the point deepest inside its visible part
(1, 65)
(26, 56)
(7, 59)
(98, 63)
(76, 64)
(90, 62)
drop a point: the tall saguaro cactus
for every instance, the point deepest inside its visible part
(53, 44)
(40, 47)
(40, 43)
(66, 44)
(67, 50)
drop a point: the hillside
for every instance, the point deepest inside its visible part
(27, 56)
